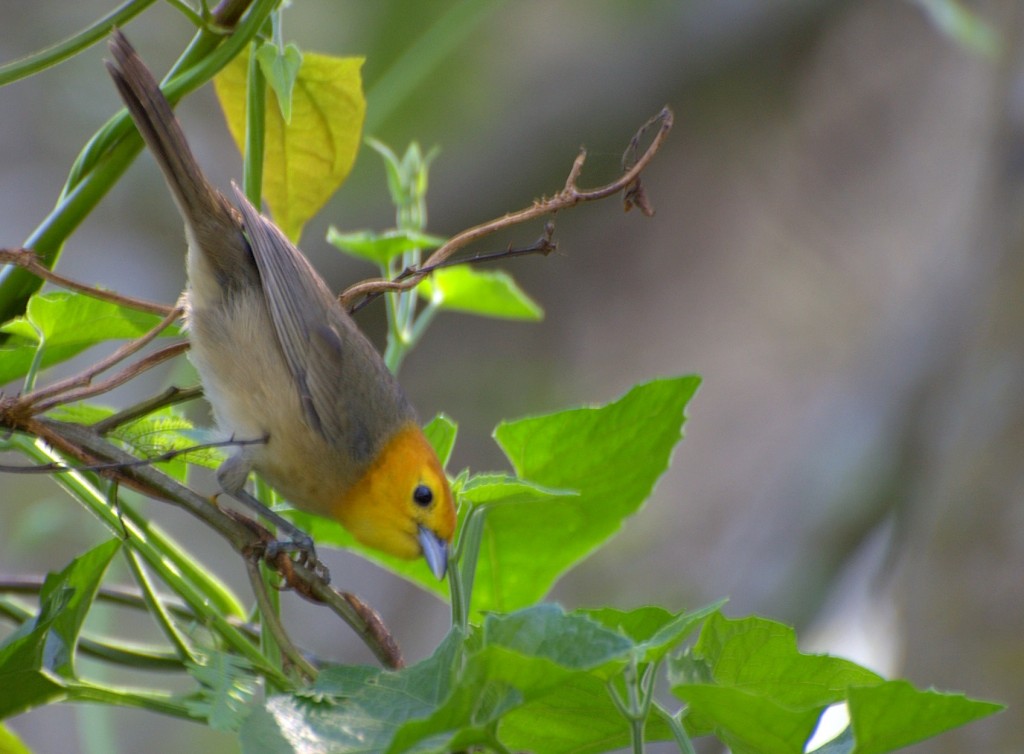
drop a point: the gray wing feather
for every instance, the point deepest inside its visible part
(324, 349)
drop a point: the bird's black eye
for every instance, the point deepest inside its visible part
(423, 495)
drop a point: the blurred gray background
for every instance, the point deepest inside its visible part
(837, 250)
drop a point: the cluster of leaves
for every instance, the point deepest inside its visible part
(514, 673)
(544, 680)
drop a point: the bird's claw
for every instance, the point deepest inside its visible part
(305, 554)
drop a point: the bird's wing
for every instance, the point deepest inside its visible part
(312, 336)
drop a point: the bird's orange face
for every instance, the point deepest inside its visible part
(403, 504)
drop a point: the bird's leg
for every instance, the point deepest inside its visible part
(232, 476)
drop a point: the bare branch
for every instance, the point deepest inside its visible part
(128, 373)
(60, 468)
(169, 397)
(43, 396)
(569, 196)
(28, 260)
(246, 535)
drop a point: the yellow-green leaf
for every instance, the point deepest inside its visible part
(489, 294)
(309, 158)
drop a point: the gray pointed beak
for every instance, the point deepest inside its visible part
(435, 551)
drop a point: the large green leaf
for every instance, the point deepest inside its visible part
(746, 681)
(577, 716)
(761, 657)
(352, 708)
(894, 714)
(610, 455)
(751, 723)
(536, 679)
(36, 659)
(581, 473)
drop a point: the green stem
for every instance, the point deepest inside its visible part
(678, 731)
(493, 742)
(465, 555)
(396, 348)
(68, 48)
(165, 704)
(29, 383)
(157, 553)
(635, 700)
(133, 656)
(255, 129)
(157, 609)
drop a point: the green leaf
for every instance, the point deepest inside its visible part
(280, 70)
(381, 248)
(746, 681)
(611, 455)
(354, 708)
(751, 723)
(572, 640)
(492, 682)
(441, 432)
(582, 472)
(537, 679)
(761, 657)
(893, 714)
(490, 294)
(67, 323)
(407, 176)
(655, 630)
(37, 658)
(157, 433)
(10, 743)
(228, 688)
(509, 573)
(577, 716)
(164, 431)
(306, 160)
(516, 660)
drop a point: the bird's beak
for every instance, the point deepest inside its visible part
(435, 550)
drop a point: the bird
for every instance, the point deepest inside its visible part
(280, 358)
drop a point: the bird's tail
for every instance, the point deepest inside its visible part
(205, 210)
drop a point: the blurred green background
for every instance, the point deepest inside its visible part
(837, 250)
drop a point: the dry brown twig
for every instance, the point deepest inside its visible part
(27, 259)
(569, 196)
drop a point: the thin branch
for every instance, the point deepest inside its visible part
(246, 536)
(543, 246)
(60, 468)
(171, 396)
(569, 196)
(272, 621)
(363, 619)
(86, 376)
(29, 260)
(128, 373)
